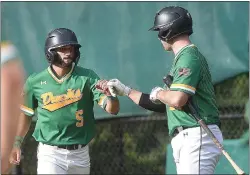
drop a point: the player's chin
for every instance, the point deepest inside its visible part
(167, 48)
(67, 63)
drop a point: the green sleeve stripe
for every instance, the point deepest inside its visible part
(28, 114)
(183, 89)
(27, 110)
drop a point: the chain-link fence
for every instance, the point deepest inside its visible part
(137, 144)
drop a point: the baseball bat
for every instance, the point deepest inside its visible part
(168, 81)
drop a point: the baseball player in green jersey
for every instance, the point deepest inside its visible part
(63, 96)
(193, 150)
(12, 80)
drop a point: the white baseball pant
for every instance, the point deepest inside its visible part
(195, 153)
(54, 160)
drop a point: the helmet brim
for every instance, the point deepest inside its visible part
(154, 28)
(66, 44)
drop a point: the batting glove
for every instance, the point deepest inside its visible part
(153, 94)
(117, 88)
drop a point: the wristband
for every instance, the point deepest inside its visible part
(106, 100)
(127, 90)
(18, 141)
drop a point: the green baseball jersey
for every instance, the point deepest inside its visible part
(191, 75)
(64, 107)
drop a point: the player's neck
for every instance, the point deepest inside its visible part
(179, 43)
(59, 71)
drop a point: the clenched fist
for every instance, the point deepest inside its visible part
(153, 95)
(118, 88)
(15, 156)
(102, 86)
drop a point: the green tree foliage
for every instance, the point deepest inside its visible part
(233, 92)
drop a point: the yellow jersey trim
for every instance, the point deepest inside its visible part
(63, 78)
(184, 87)
(27, 110)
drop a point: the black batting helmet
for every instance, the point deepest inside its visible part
(171, 22)
(60, 37)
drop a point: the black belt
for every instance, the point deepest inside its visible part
(178, 129)
(72, 147)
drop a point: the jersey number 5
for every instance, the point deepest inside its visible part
(79, 117)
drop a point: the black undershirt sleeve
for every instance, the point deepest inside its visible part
(146, 103)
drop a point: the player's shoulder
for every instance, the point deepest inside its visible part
(8, 51)
(190, 54)
(189, 51)
(37, 76)
(85, 72)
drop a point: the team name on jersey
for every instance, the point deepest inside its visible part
(52, 103)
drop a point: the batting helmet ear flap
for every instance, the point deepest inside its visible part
(163, 34)
(77, 55)
(50, 54)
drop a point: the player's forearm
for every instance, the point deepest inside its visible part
(143, 100)
(174, 99)
(135, 96)
(113, 106)
(24, 125)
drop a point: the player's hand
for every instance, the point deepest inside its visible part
(15, 156)
(102, 86)
(117, 88)
(153, 95)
